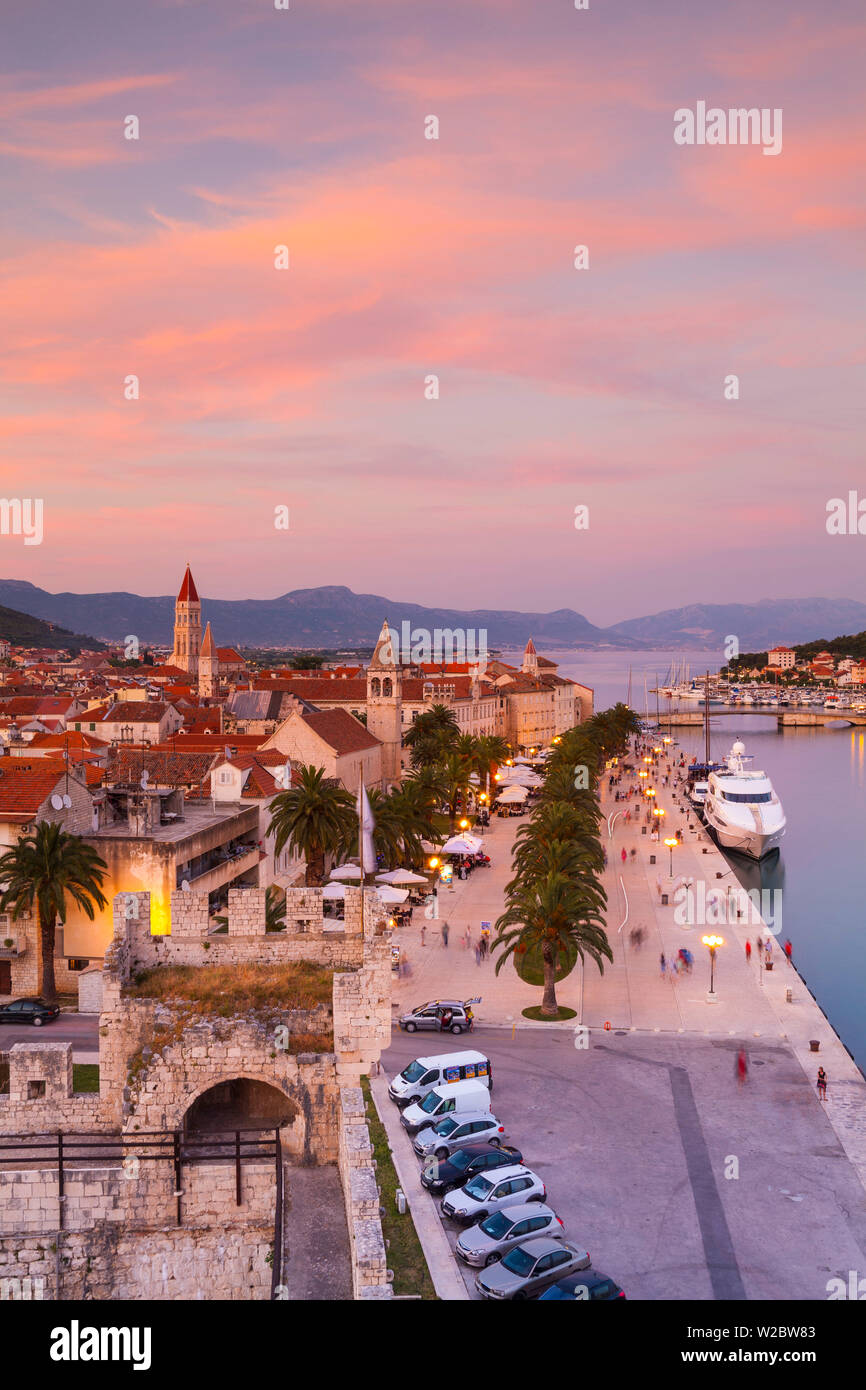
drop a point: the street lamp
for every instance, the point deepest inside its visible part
(712, 943)
(671, 844)
(643, 773)
(464, 824)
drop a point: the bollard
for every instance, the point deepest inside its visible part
(789, 996)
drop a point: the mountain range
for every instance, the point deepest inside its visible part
(333, 616)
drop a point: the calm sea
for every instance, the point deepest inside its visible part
(820, 776)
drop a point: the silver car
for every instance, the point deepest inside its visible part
(487, 1242)
(530, 1268)
(487, 1192)
(454, 1132)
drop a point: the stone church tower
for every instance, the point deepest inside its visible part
(208, 666)
(530, 659)
(187, 626)
(385, 703)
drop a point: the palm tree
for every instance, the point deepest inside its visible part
(553, 915)
(275, 910)
(455, 773)
(316, 817)
(433, 734)
(41, 872)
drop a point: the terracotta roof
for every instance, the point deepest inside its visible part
(261, 768)
(340, 731)
(228, 655)
(136, 712)
(75, 741)
(208, 645)
(24, 786)
(165, 768)
(352, 691)
(529, 649)
(188, 592)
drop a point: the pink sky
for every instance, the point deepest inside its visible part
(558, 387)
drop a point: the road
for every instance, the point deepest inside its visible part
(679, 1182)
(82, 1030)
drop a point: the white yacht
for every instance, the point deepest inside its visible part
(742, 808)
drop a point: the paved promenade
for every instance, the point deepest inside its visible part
(750, 1004)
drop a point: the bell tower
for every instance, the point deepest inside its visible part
(385, 703)
(187, 626)
(208, 666)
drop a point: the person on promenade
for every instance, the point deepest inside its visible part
(623, 856)
(742, 1067)
(423, 932)
(675, 970)
(822, 1083)
(445, 935)
(633, 853)
(788, 949)
(483, 946)
(477, 953)
(760, 945)
(663, 965)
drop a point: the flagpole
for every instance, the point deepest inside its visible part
(361, 838)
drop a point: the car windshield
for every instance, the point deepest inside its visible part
(431, 1103)
(519, 1262)
(445, 1127)
(496, 1225)
(413, 1071)
(479, 1187)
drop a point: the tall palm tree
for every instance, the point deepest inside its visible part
(432, 736)
(553, 915)
(316, 817)
(455, 773)
(41, 872)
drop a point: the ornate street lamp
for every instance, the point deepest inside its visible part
(672, 845)
(712, 944)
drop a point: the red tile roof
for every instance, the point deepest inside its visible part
(24, 786)
(340, 731)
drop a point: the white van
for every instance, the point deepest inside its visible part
(419, 1078)
(462, 1097)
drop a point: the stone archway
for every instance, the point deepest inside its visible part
(239, 1103)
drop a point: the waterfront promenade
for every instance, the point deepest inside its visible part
(751, 1006)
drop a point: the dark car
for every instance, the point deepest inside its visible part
(34, 1011)
(438, 1176)
(586, 1287)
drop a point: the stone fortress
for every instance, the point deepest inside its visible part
(167, 1219)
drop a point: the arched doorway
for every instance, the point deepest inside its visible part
(239, 1103)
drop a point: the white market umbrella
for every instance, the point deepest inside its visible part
(346, 871)
(512, 794)
(461, 844)
(388, 894)
(334, 890)
(401, 876)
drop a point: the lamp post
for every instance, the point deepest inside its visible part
(712, 944)
(671, 844)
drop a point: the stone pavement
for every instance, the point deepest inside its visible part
(632, 994)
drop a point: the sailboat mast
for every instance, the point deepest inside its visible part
(707, 719)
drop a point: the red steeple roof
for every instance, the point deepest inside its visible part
(188, 592)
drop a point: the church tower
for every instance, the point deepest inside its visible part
(208, 666)
(385, 703)
(530, 659)
(187, 626)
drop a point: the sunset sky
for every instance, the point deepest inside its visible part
(409, 256)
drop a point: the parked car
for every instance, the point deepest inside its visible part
(440, 1016)
(34, 1011)
(487, 1192)
(590, 1287)
(502, 1230)
(445, 1138)
(465, 1164)
(419, 1077)
(459, 1098)
(530, 1268)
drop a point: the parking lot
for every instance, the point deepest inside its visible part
(679, 1182)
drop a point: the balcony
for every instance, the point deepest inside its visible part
(219, 867)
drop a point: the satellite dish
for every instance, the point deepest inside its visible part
(57, 802)
(67, 800)
(185, 886)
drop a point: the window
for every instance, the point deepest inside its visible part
(225, 776)
(750, 797)
(523, 1228)
(561, 1257)
(521, 1184)
(35, 1090)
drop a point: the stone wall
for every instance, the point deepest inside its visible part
(370, 1278)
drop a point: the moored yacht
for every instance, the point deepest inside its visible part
(742, 808)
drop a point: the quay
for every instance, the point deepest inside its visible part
(785, 718)
(682, 1183)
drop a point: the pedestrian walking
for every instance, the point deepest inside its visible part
(788, 949)
(445, 935)
(742, 1067)
(822, 1083)
(748, 952)
(477, 953)
(760, 945)
(484, 947)
(423, 933)
(623, 856)
(675, 970)
(663, 965)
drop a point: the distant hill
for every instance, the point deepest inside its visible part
(22, 630)
(757, 626)
(330, 616)
(333, 616)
